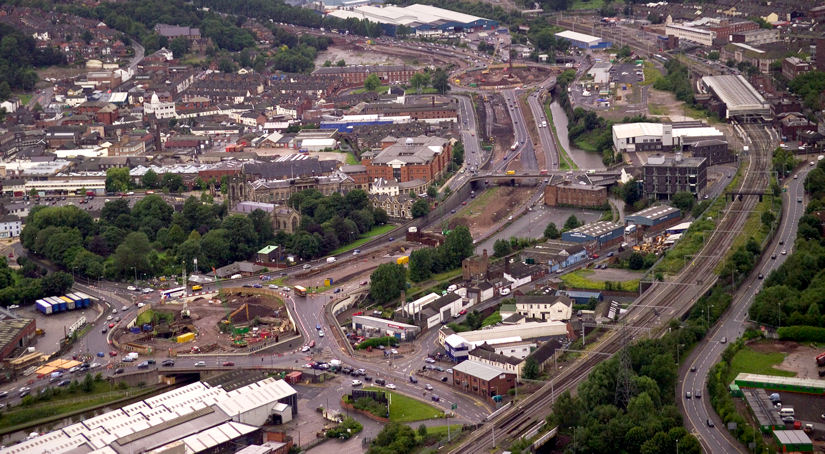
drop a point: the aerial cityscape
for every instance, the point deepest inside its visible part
(486, 226)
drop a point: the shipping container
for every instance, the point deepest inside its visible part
(187, 337)
(58, 305)
(44, 307)
(78, 302)
(70, 305)
(87, 300)
(293, 377)
(134, 330)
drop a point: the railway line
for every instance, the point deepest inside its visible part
(673, 299)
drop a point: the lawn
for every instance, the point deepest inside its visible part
(407, 409)
(494, 318)
(382, 89)
(580, 279)
(24, 98)
(651, 73)
(753, 362)
(379, 230)
(441, 431)
(352, 160)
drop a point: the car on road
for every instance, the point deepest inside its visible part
(131, 288)
(143, 365)
(773, 256)
(305, 348)
(356, 252)
(390, 386)
(200, 364)
(321, 333)
(167, 363)
(413, 379)
(64, 382)
(688, 395)
(784, 252)
(307, 266)
(140, 304)
(101, 354)
(228, 364)
(710, 423)
(429, 360)
(781, 242)
(109, 318)
(724, 340)
(698, 394)
(761, 276)
(462, 312)
(4, 394)
(428, 387)
(338, 290)
(391, 239)
(693, 368)
(257, 285)
(147, 290)
(104, 331)
(799, 200)
(364, 283)
(111, 325)
(318, 326)
(357, 383)
(113, 353)
(273, 286)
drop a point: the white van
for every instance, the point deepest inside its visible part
(235, 276)
(786, 411)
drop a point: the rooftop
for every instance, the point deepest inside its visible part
(735, 91)
(792, 437)
(11, 327)
(661, 160)
(576, 36)
(656, 212)
(479, 370)
(412, 150)
(598, 228)
(410, 16)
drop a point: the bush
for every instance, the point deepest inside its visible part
(346, 429)
(387, 341)
(802, 333)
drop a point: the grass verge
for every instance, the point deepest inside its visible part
(586, 4)
(749, 361)
(407, 409)
(379, 230)
(476, 207)
(494, 318)
(579, 279)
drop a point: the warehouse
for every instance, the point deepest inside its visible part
(379, 327)
(740, 98)
(603, 233)
(424, 19)
(196, 418)
(793, 441)
(482, 379)
(655, 218)
(661, 136)
(15, 333)
(583, 41)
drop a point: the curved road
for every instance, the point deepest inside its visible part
(698, 411)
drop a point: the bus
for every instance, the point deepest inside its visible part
(173, 293)
(300, 291)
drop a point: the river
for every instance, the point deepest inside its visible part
(583, 159)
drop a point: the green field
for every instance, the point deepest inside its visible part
(752, 362)
(379, 230)
(407, 409)
(476, 207)
(441, 431)
(580, 279)
(382, 89)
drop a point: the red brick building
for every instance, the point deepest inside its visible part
(567, 194)
(793, 66)
(726, 28)
(482, 379)
(414, 158)
(356, 75)
(14, 334)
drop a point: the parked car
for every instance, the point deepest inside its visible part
(356, 383)
(119, 370)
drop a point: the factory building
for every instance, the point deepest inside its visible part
(655, 218)
(665, 176)
(422, 19)
(15, 333)
(689, 33)
(196, 418)
(583, 41)
(740, 98)
(661, 136)
(600, 233)
(379, 327)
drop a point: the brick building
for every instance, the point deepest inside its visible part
(422, 158)
(482, 379)
(726, 28)
(475, 267)
(356, 75)
(665, 176)
(716, 151)
(793, 66)
(15, 333)
(578, 195)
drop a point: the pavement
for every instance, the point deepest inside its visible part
(730, 326)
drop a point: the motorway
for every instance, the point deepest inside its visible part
(548, 143)
(697, 365)
(473, 153)
(525, 143)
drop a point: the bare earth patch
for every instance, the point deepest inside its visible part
(800, 358)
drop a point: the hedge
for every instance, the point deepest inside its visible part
(387, 341)
(802, 333)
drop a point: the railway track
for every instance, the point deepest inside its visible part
(672, 298)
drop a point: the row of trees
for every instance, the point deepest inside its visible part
(428, 261)
(29, 283)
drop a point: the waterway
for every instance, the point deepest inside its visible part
(583, 159)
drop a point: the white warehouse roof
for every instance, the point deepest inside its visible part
(411, 16)
(628, 130)
(736, 92)
(580, 37)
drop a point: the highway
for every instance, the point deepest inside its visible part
(671, 299)
(696, 367)
(473, 153)
(548, 142)
(525, 143)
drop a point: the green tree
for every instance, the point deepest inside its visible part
(117, 179)
(56, 283)
(419, 81)
(457, 246)
(684, 201)
(172, 182)
(420, 208)
(458, 154)
(262, 224)
(636, 261)
(179, 46)
(241, 235)
(474, 320)
(150, 179)
(422, 430)
(372, 82)
(531, 369)
(341, 63)
(387, 282)
(441, 81)
(501, 248)
(421, 264)
(551, 231)
(132, 256)
(571, 223)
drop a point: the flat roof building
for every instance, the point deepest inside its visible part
(600, 232)
(661, 136)
(482, 379)
(740, 97)
(692, 34)
(583, 41)
(384, 327)
(665, 176)
(653, 216)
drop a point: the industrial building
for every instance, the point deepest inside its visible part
(583, 41)
(196, 418)
(740, 98)
(15, 333)
(379, 327)
(665, 176)
(482, 379)
(422, 19)
(458, 345)
(655, 218)
(661, 136)
(690, 33)
(602, 233)
(793, 441)
(555, 254)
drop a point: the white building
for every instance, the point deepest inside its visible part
(659, 136)
(692, 34)
(158, 108)
(10, 226)
(555, 308)
(379, 327)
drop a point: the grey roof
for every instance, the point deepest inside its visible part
(479, 370)
(656, 212)
(412, 150)
(792, 437)
(290, 169)
(362, 69)
(486, 352)
(598, 228)
(736, 92)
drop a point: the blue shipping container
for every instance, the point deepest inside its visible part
(78, 301)
(44, 307)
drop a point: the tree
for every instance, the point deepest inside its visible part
(684, 201)
(149, 180)
(419, 81)
(172, 182)
(262, 224)
(474, 320)
(87, 36)
(341, 63)
(372, 82)
(420, 208)
(117, 179)
(501, 248)
(458, 154)
(132, 254)
(421, 264)
(571, 223)
(57, 283)
(241, 235)
(767, 219)
(422, 430)
(457, 246)
(551, 231)
(179, 46)
(636, 261)
(387, 282)
(441, 81)
(531, 369)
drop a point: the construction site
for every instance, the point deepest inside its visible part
(504, 75)
(235, 320)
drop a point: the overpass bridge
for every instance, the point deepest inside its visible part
(533, 177)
